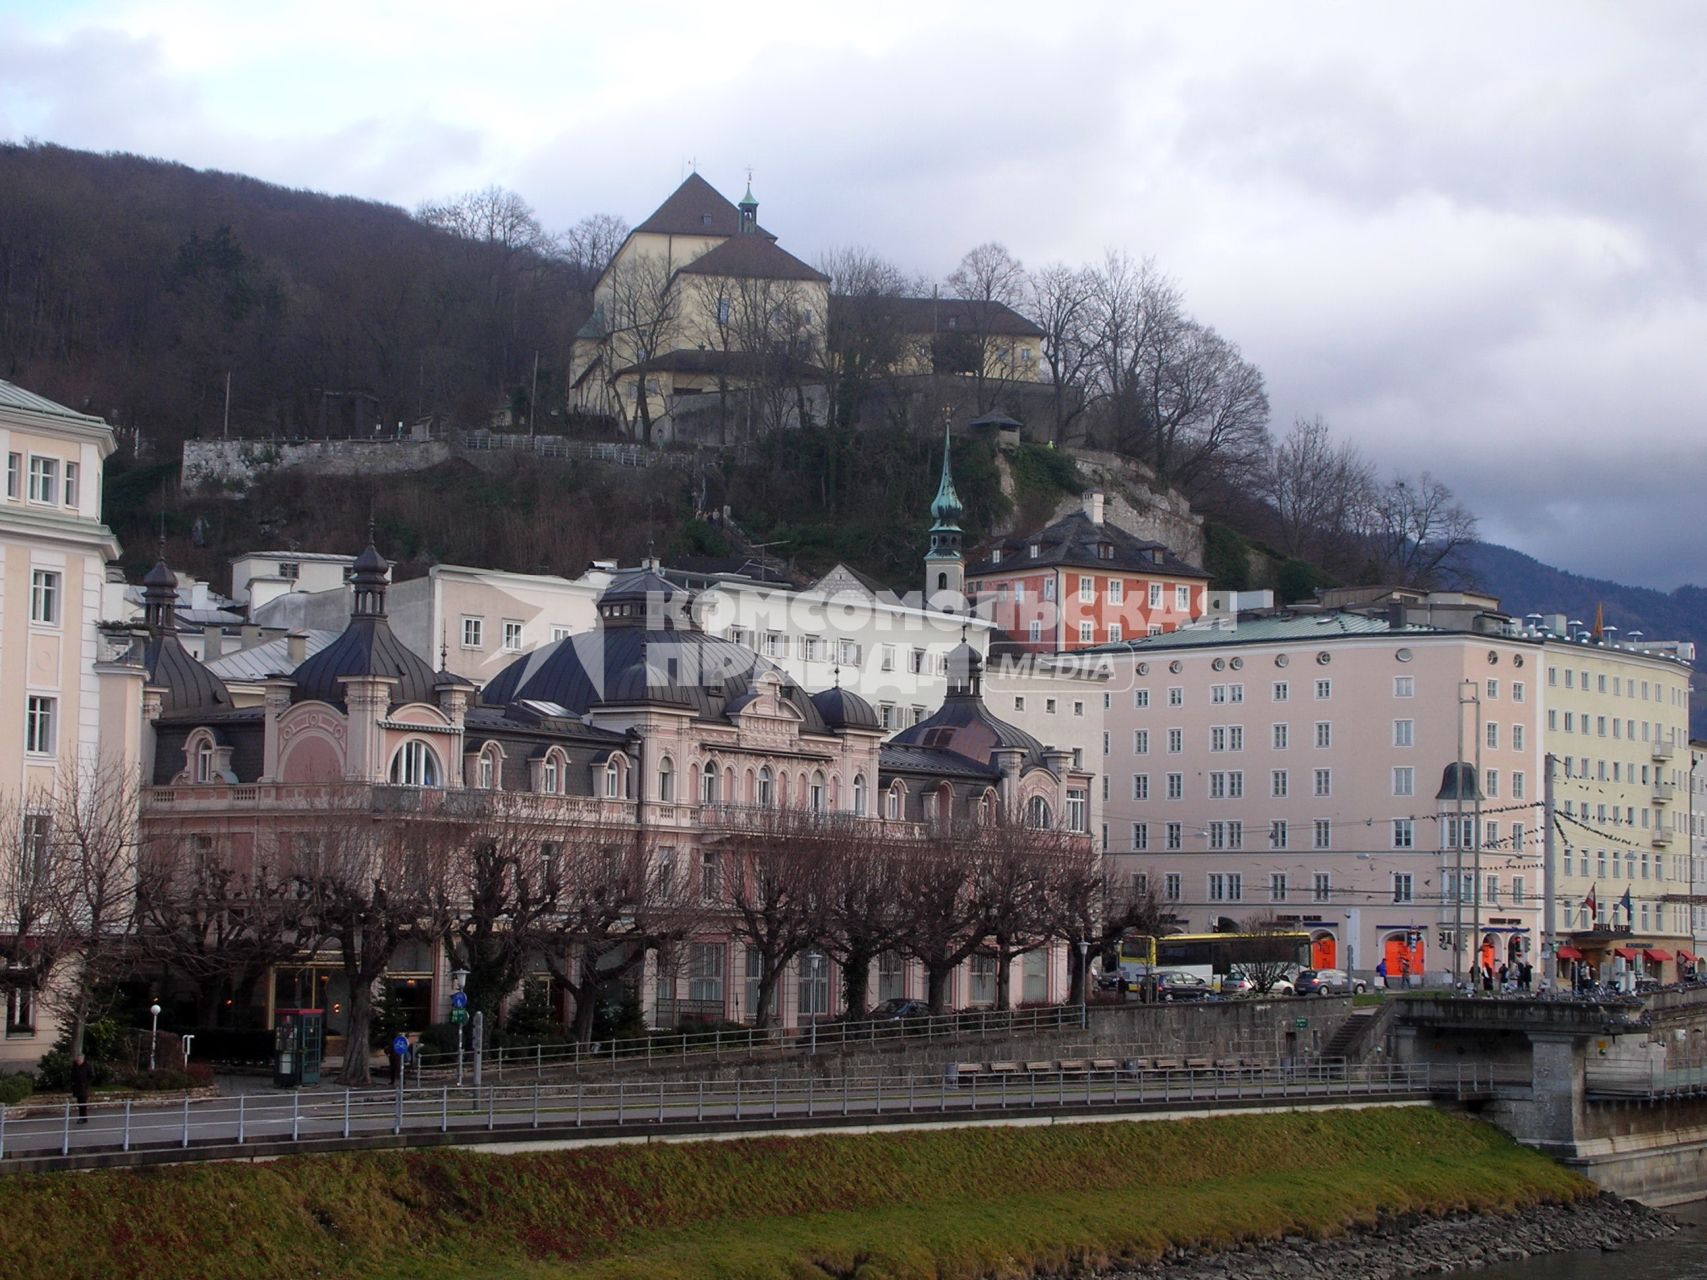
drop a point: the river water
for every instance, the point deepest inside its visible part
(1682, 1257)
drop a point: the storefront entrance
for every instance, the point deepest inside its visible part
(1324, 951)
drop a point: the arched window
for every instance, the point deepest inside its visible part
(708, 784)
(1037, 814)
(613, 779)
(859, 795)
(987, 808)
(892, 802)
(415, 765)
(551, 773)
(767, 787)
(666, 781)
(815, 792)
(486, 770)
(204, 760)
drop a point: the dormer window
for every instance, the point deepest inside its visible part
(289, 569)
(1105, 551)
(1032, 550)
(705, 219)
(996, 556)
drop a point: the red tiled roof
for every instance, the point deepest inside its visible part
(753, 257)
(695, 208)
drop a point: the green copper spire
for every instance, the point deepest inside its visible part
(946, 510)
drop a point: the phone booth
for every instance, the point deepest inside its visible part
(298, 1035)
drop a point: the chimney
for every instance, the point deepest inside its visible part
(213, 640)
(1093, 505)
(249, 636)
(296, 649)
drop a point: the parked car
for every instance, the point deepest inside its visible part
(1173, 984)
(1239, 983)
(899, 1010)
(1328, 982)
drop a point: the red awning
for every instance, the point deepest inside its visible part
(1658, 956)
(1625, 953)
(1570, 953)
(1688, 957)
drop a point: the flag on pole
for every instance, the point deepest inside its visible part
(1629, 910)
(1591, 905)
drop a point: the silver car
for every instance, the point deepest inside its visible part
(1328, 982)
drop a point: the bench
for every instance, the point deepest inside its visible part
(1072, 1066)
(1004, 1068)
(1105, 1064)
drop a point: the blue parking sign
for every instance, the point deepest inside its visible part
(400, 1045)
(459, 1000)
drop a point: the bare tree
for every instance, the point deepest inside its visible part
(591, 244)
(1320, 492)
(493, 215)
(991, 279)
(217, 920)
(944, 918)
(95, 842)
(33, 937)
(1062, 303)
(1012, 869)
(1087, 907)
(370, 880)
(640, 318)
(862, 907)
(1415, 529)
(496, 891)
(772, 885)
(614, 896)
(1265, 954)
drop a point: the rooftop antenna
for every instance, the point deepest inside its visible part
(444, 647)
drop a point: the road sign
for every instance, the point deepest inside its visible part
(459, 1016)
(400, 1045)
(1301, 1023)
(459, 1000)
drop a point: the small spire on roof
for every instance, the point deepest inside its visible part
(836, 675)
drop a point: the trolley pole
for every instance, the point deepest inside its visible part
(1550, 906)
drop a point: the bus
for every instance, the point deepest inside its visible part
(1212, 956)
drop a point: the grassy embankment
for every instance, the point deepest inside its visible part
(952, 1203)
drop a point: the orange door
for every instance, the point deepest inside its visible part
(1324, 952)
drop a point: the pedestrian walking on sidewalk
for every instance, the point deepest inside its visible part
(82, 1076)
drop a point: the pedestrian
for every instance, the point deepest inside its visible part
(396, 1060)
(1487, 979)
(1405, 972)
(1381, 971)
(82, 1076)
(1525, 976)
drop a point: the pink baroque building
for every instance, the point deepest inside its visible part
(1307, 768)
(645, 726)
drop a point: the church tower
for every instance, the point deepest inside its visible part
(749, 207)
(945, 567)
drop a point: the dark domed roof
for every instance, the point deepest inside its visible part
(618, 666)
(963, 724)
(367, 647)
(187, 685)
(843, 709)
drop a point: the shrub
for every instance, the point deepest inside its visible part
(15, 1088)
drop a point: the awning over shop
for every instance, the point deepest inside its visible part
(1625, 953)
(1658, 955)
(1688, 957)
(1570, 953)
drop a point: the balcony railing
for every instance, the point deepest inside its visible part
(1664, 792)
(1662, 751)
(1662, 838)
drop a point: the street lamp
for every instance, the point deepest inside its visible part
(1084, 983)
(153, 1033)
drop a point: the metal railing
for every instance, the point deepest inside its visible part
(625, 455)
(214, 1124)
(685, 1045)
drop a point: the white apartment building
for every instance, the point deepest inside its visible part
(63, 709)
(1617, 724)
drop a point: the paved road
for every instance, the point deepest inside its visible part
(638, 1105)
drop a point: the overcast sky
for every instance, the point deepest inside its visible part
(1471, 236)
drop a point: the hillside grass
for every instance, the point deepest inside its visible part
(949, 1203)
